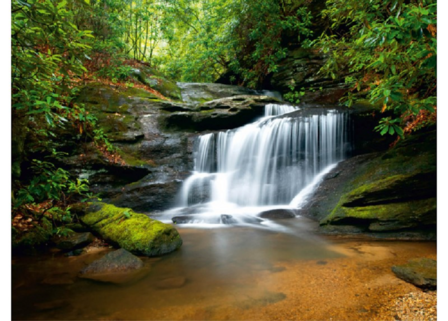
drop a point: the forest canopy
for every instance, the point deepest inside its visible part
(384, 50)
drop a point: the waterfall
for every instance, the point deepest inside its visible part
(267, 162)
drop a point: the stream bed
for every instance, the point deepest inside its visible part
(232, 273)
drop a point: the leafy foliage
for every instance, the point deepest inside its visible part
(389, 52)
(48, 51)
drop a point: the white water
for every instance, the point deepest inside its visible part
(275, 162)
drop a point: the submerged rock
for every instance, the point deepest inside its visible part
(118, 266)
(132, 231)
(420, 272)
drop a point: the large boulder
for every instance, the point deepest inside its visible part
(132, 231)
(387, 194)
(118, 267)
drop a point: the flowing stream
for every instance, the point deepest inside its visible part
(273, 163)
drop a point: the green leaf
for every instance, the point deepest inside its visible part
(385, 129)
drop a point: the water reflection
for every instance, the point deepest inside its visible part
(225, 267)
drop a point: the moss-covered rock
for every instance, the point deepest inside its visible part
(155, 79)
(389, 192)
(132, 231)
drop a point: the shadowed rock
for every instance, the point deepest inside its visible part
(419, 272)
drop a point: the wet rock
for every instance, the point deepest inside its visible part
(73, 241)
(132, 231)
(119, 266)
(277, 214)
(171, 283)
(228, 219)
(419, 272)
(389, 194)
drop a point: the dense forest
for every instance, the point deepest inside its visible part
(224, 159)
(384, 51)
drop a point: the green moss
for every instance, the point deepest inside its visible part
(393, 215)
(376, 186)
(132, 231)
(134, 160)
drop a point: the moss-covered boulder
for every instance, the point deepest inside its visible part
(388, 194)
(158, 81)
(131, 231)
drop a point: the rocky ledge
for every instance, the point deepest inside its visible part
(389, 194)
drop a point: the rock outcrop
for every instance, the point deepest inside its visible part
(387, 194)
(154, 139)
(300, 70)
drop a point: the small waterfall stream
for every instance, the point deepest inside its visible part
(275, 162)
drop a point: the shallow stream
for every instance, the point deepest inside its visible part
(233, 273)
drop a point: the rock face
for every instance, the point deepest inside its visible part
(420, 272)
(134, 232)
(299, 70)
(203, 92)
(118, 266)
(388, 194)
(224, 113)
(154, 139)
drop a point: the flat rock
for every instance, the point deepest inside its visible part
(420, 272)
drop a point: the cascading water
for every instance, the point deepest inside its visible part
(272, 162)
